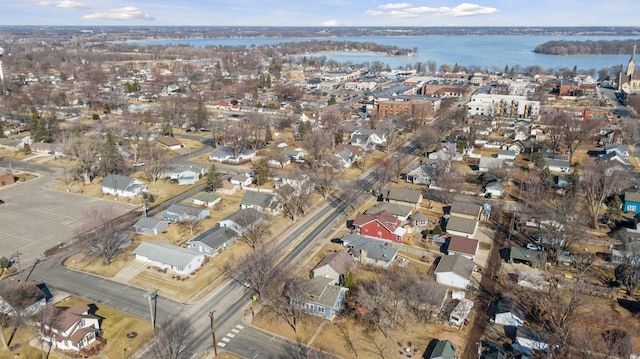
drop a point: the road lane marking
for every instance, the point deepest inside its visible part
(230, 335)
(234, 330)
(239, 326)
(225, 339)
(221, 344)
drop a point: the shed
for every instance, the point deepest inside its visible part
(151, 226)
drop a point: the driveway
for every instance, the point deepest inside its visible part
(34, 219)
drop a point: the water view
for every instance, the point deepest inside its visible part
(488, 51)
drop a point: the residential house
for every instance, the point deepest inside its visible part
(507, 155)
(507, 311)
(241, 180)
(186, 175)
(355, 150)
(466, 247)
(47, 148)
(295, 156)
(533, 257)
(151, 226)
(285, 193)
(334, 266)
(443, 349)
(448, 152)
(242, 220)
(381, 225)
(11, 144)
(212, 241)
(372, 251)
(531, 339)
(346, 157)
(454, 271)
(460, 226)
(264, 202)
(321, 298)
(363, 142)
(557, 163)
(169, 142)
(421, 220)
(296, 179)
(373, 136)
(167, 256)
(494, 189)
(181, 212)
(70, 328)
(401, 212)
(228, 188)
(22, 298)
(490, 163)
(403, 196)
(516, 147)
(117, 185)
(631, 202)
(7, 179)
(228, 155)
(424, 173)
(465, 210)
(206, 199)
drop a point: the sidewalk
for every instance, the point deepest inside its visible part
(129, 271)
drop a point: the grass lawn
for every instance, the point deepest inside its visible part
(89, 264)
(22, 348)
(115, 326)
(16, 155)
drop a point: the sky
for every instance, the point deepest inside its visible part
(320, 12)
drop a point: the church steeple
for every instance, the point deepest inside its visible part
(632, 63)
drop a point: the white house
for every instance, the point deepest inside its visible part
(241, 220)
(494, 189)
(509, 312)
(335, 266)
(557, 163)
(150, 226)
(227, 154)
(206, 199)
(454, 271)
(167, 256)
(122, 186)
(375, 137)
(73, 328)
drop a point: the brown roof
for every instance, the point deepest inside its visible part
(21, 295)
(384, 217)
(77, 336)
(354, 149)
(167, 141)
(63, 318)
(463, 245)
(403, 194)
(340, 261)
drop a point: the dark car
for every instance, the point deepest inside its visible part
(1, 201)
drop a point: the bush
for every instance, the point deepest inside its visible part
(4, 263)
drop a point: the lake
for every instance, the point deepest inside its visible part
(492, 52)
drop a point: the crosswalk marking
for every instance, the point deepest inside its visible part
(230, 335)
(225, 339)
(221, 344)
(239, 326)
(235, 331)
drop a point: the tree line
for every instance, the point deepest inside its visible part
(587, 47)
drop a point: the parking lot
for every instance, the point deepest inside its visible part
(34, 219)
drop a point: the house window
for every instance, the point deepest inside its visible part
(631, 208)
(320, 309)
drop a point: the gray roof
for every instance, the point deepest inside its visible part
(507, 305)
(556, 163)
(319, 290)
(244, 215)
(632, 196)
(376, 249)
(469, 209)
(166, 253)
(461, 224)
(222, 152)
(444, 349)
(498, 186)
(529, 255)
(340, 261)
(259, 199)
(178, 208)
(459, 265)
(215, 237)
(395, 209)
(506, 153)
(490, 162)
(148, 222)
(120, 183)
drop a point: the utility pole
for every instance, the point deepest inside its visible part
(213, 333)
(152, 295)
(18, 253)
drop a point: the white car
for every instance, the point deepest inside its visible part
(534, 247)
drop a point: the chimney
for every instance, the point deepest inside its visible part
(363, 255)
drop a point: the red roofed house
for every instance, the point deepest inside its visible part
(70, 328)
(380, 225)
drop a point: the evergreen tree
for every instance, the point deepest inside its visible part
(545, 177)
(112, 161)
(165, 128)
(202, 116)
(332, 100)
(614, 211)
(260, 172)
(268, 137)
(213, 180)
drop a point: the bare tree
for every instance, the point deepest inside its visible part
(317, 143)
(288, 304)
(325, 176)
(103, 237)
(331, 121)
(19, 298)
(257, 228)
(258, 271)
(347, 336)
(85, 149)
(190, 226)
(427, 138)
(171, 340)
(575, 132)
(599, 181)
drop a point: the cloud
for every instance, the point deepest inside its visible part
(406, 10)
(374, 13)
(120, 14)
(67, 4)
(399, 5)
(331, 22)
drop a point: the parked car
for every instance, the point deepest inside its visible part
(534, 247)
